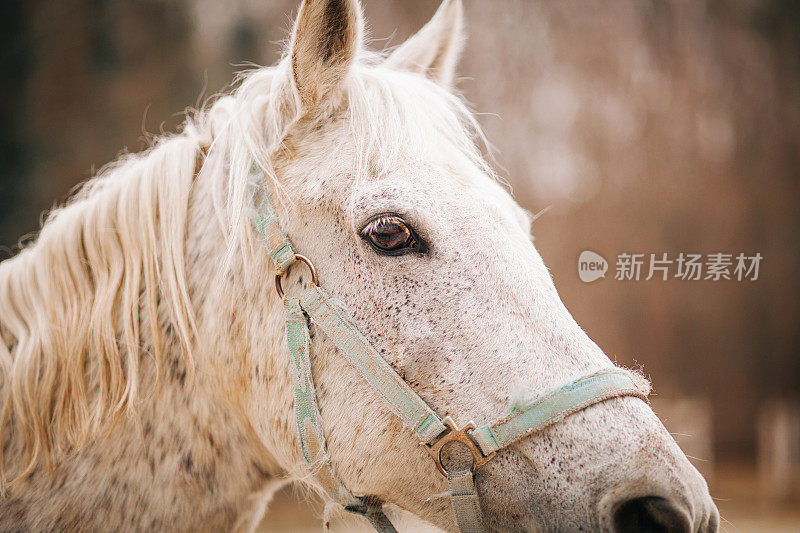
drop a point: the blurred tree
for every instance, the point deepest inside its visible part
(14, 165)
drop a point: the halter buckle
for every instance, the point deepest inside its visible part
(458, 435)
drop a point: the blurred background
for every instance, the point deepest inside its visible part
(634, 126)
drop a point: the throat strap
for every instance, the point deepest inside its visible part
(309, 424)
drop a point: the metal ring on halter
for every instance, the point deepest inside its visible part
(303, 259)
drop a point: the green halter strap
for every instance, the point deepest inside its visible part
(309, 423)
(316, 306)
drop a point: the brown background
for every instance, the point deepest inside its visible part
(643, 126)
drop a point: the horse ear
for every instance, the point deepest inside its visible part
(434, 50)
(325, 40)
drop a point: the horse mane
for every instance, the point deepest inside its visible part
(92, 297)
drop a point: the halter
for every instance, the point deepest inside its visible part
(317, 307)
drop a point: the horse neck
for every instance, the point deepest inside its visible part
(197, 418)
(241, 351)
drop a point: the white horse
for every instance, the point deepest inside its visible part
(145, 380)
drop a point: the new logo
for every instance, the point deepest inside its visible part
(591, 266)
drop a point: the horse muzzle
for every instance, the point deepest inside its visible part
(612, 467)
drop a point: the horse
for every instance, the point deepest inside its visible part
(144, 377)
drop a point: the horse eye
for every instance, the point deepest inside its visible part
(390, 235)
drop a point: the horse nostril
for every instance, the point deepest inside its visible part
(650, 514)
